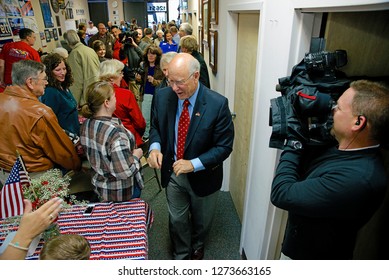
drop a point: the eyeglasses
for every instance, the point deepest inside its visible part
(43, 79)
(179, 83)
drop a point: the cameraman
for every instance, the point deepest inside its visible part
(330, 193)
(133, 53)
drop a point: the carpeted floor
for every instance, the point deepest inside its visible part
(224, 238)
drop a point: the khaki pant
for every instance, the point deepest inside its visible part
(135, 88)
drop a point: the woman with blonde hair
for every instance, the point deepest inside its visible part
(188, 44)
(127, 109)
(110, 147)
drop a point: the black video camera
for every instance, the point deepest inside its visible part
(303, 112)
(127, 37)
(323, 65)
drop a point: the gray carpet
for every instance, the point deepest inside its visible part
(224, 237)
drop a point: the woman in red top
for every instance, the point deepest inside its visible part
(127, 110)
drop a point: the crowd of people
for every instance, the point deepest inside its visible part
(91, 100)
(122, 90)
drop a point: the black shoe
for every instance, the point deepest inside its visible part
(198, 254)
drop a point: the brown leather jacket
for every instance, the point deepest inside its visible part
(32, 128)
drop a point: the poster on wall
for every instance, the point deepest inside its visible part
(46, 13)
(70, 25)
(16, 24)
(11, 7)
(26, 8)
(2, 10)
(5, 30)
(80, 12)
(30, 22)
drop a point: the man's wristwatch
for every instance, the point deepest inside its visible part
(295, 144)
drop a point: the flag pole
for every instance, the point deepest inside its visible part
(25, 170)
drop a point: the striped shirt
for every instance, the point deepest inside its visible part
(109, 145)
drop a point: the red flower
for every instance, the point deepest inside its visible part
(35, 204)
(45, 183)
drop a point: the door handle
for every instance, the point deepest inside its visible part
(233, 115)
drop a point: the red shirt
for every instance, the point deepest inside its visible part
(127, 110)
(14, 52)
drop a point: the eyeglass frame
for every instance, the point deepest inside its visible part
(43, 79)
(179, 83)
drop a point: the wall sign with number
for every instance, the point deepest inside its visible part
(156, 7)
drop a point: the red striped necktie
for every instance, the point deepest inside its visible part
(183, 125)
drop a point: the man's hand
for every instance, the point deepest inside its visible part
(155, 159)
(182, 166)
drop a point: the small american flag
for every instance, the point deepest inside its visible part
(11, 197)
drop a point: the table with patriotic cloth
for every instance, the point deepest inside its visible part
(114, 230)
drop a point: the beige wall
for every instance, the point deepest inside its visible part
(115, 11)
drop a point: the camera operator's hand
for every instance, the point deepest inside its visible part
(133, 42)
(138, 77)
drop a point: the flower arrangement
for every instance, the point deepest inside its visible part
(51, 184)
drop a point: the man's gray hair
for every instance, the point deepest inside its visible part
(187, 28)
(166, 58)
(24, 69)
(71, 38)
(194, 66)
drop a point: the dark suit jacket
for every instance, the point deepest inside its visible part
(210, 136)
(204, 77)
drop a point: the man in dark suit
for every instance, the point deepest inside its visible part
(192, 177)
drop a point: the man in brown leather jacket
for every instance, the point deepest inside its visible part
(31, 127)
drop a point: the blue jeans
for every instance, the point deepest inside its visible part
(136, 191)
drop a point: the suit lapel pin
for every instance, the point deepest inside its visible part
(197, 114)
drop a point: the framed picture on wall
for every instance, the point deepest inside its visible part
(47, 35)
(214, 11)
(59, 32)
(55, 34)
(69, 13)
(46, 13)
(55, 6)
(200, 12)
(205, 19)
(200, 37)
(213, 50)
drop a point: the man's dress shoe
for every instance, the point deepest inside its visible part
(198, 254)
